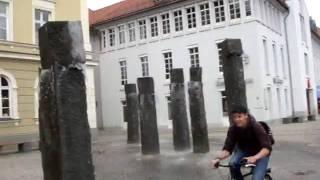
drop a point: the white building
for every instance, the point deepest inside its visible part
(315, 34)
(136, 38)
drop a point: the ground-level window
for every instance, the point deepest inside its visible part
(191, 16)
(224, 103)
(219, 46)
(144, 66)
(5, 98)
(132, 31)
(205, 14)
(168, 63)
(194, 57)
(234, 7)
(178, 20)
(165, 23)
(169, 107)
(247, 4)
(266, 57)
(112, 37)
(4, 20)
(41, 17)
(219, 11)
(154, 26)
(124, 72)
(306, 63)
(122, 34)
(143, 29)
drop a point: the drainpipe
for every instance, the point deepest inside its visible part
(289, 64)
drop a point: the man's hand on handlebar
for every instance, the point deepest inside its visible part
(251, 160)
(215, 163)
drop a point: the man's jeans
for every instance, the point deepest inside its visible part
(258, 172)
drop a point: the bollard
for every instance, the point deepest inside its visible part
(181, 137)
(132, 113)
(148, 117)
(65, 140)
(233, 72)
(197, 112)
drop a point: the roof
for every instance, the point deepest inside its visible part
(127, 8)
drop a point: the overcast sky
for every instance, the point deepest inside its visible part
(313, 6)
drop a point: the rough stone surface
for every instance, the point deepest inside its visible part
(65, 139)
(197, 113)
(233, 72)
(132, 113)
(181, 133)
(148, 117)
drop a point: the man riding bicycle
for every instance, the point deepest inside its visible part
(246, 140)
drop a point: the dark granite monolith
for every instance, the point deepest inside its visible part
(235, 85)
(132, 113)
(65, 140)
(197, 112)
(181, 133)
(148, 117)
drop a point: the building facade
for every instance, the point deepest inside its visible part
(315, 34)
(20, 60)
(134, 39)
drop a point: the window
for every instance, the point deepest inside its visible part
(122, 34)
(178, 21)
(303, 29)
(143, 29)
(279, 102)
(284, 64)
(266, 57)
(154, 26)
(145, 66)
(191, 16)
(247, 4)
(169, 107)
(219, 11)
(286, 96)
(132, 31)
(224, 103)
(220, 57)
(5, 99)
(3, 20)
(168, 63)
(112, 37)
(306, 62)
(41, 17)
(103, 36)
(194, 57)
(234, 6)
(124, 73)
(205, 14)
(165, 23)
(275, 59)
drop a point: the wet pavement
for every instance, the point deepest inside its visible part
(296, 156)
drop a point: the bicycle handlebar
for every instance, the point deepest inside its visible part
(243, 163)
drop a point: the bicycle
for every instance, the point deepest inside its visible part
(244, 164)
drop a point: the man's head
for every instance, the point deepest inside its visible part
(240, 116)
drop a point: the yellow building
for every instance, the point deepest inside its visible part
(20, 61)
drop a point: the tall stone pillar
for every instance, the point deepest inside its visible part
(181, 137)
(65, 140)
(197, 112)
(233, 72)
(132, 113)
(148, 117)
